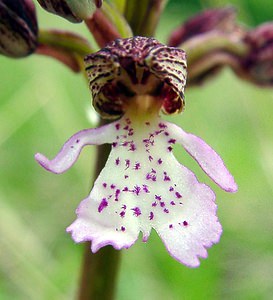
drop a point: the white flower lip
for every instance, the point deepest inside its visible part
(143, 186)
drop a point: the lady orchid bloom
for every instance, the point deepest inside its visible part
(142, 185)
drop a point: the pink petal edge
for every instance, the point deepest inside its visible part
(206, 157)
(71, 150)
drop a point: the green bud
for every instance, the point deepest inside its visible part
(73, 10)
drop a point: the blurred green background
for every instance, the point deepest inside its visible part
(43, 103)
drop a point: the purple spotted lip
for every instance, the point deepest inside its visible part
(142, 185)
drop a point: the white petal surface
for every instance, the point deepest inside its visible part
(206, 157)
(142, 187)
(195, 227)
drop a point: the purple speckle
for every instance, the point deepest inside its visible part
(126, 127)
(185, 223)
(117, 194)
(162, 204)
(166, 177)
(160, 161)
(151, 216)
(172, 203)
(102, 205)
(131, 132)
(166, 210)
(162, 125)
(150, 158)
(171, 141)
(154, 204)
(126, 176)
(77, 141)
(115, 144)
(151, 175)
(122, 214)
(137, 190)
(171, 189)
(124, 206)
(132, 147)
(146, 141)
(178, 195)
(112, 186)
(125, 144)
(127, 163)
(145, 188)
(137, 211)
(137, 166)
(117, 161)
(117, 126)
(125, 189)
(104, 184)
(171, 226)
(157, 132)
(122, 228)
(157, 197)
(166, 133)
(170, 148)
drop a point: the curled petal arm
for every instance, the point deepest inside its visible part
(206, 157)
(72, 148)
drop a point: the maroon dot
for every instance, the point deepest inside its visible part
(162, 204)
(171, 141)
(178, 195)
(102, 205)
(185, 223)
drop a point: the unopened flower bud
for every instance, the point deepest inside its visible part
(222, 19)
(18, 27)
(73, 10)
(258, 65)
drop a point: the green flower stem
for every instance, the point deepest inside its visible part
(119, 4)
(205, 65)
(153, 13)
(99, 272)
(66, 41)
(108, 24)
(143, 18)
(201, 46)
(117, 19)
(66, 47)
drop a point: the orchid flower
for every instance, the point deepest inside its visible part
(142, 185)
